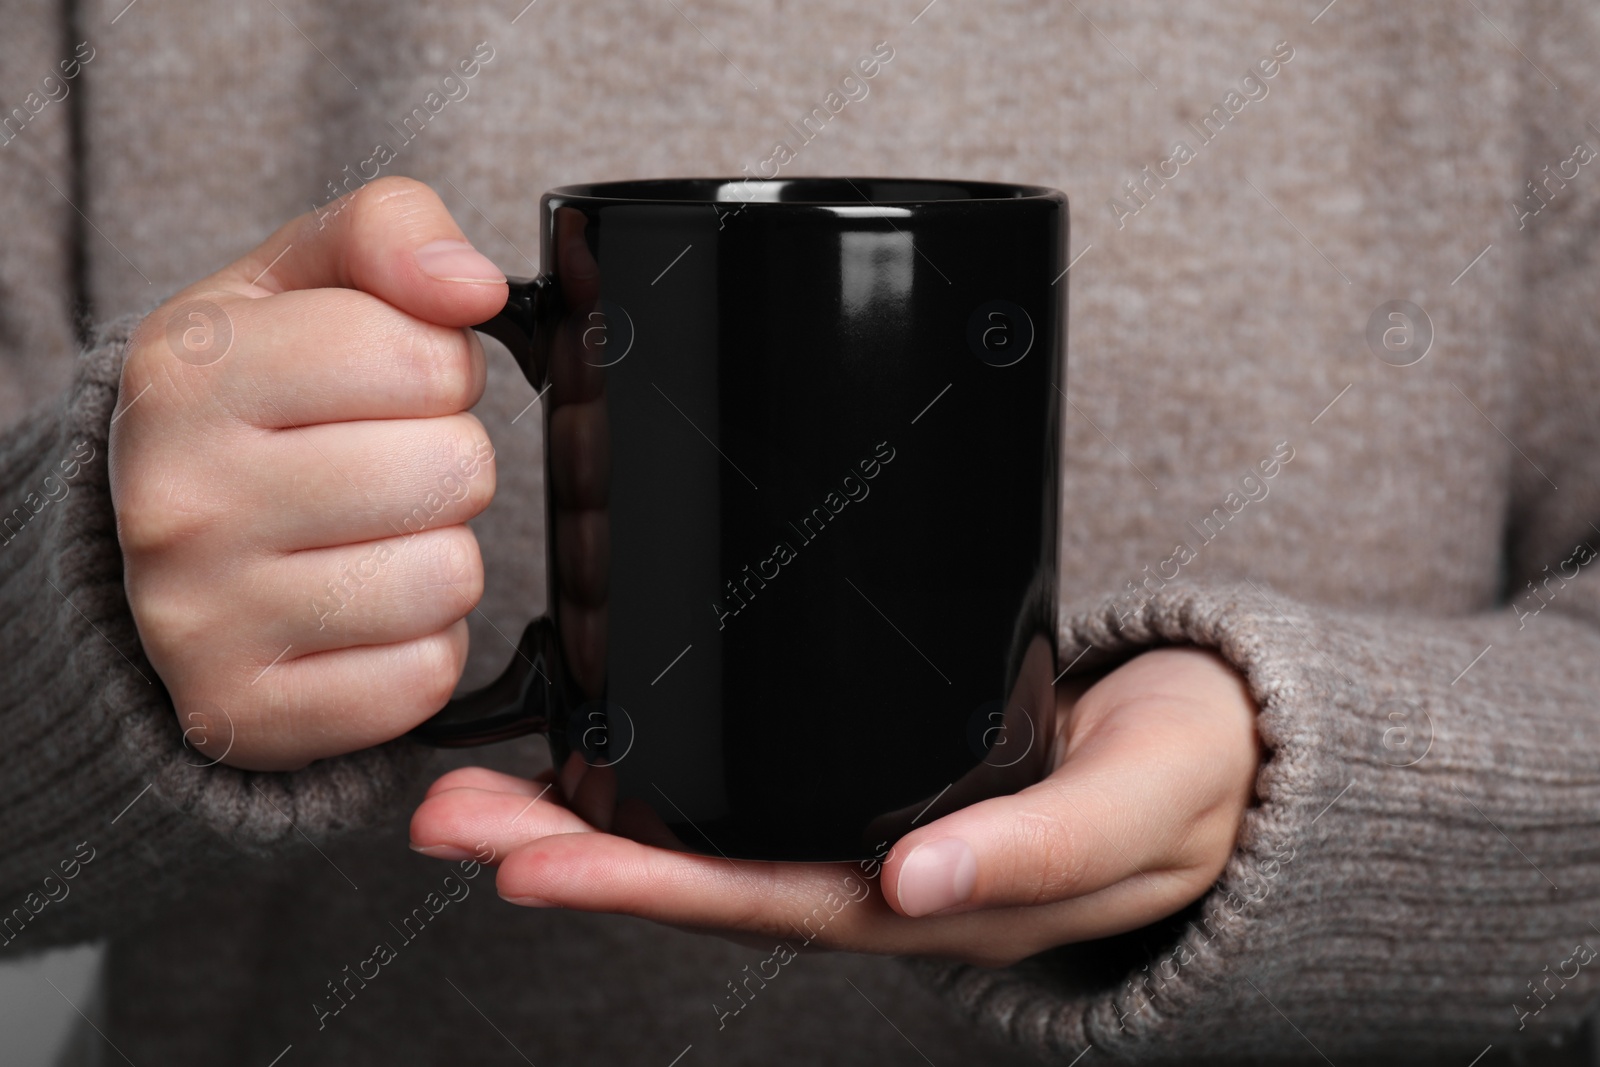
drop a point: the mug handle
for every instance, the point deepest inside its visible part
(515, 703)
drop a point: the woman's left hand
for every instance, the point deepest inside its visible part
(1147, 779)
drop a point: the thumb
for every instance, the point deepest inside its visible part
(392, 238)
(1055, 840)
(1153, 782)
(1125, 801)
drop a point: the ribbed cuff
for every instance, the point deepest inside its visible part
(94, 750)
(1393, 890)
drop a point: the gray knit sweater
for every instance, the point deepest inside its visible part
(1410, 595)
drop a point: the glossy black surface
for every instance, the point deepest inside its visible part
(801, 441)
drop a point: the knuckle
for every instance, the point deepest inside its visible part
(379, 204)
(752, 915)
(438, 662)
(140, 351)
(1056, 866)
(1203, 849)
(477, 461)
(455, 480)
(459, 778)
(440, 361)
(455, 561)
(268, 720)
(208, 728)
(155, 515)
(195, 327)
(170, 624)
(468, 463)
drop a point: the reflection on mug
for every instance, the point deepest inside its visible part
(579, 461)
(601, 733)
(1013, 743)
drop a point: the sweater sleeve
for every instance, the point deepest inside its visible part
(1418, 879)
(1421, 856)
(106, 811)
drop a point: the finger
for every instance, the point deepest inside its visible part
(482, 778)
(392, 238)
(1127, 801)
(332, 355)
(329, 703)
(605, 873)
(819, 905)
(376, 593)
(344, 483)
(506, 820)
(1054, 840)
(552, 857)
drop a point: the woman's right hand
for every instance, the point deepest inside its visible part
(292, 464)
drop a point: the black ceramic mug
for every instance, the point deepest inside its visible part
(801, 473)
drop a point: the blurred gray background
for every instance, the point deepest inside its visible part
(36, 1018)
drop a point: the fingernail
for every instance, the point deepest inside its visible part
(442, 852)
(936, 876)
(457, 261)
(530, 902)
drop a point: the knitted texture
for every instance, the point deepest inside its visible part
(90, 728)
(1374, 855)
(1405, 595)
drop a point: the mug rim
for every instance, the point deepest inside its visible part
(704, 191)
